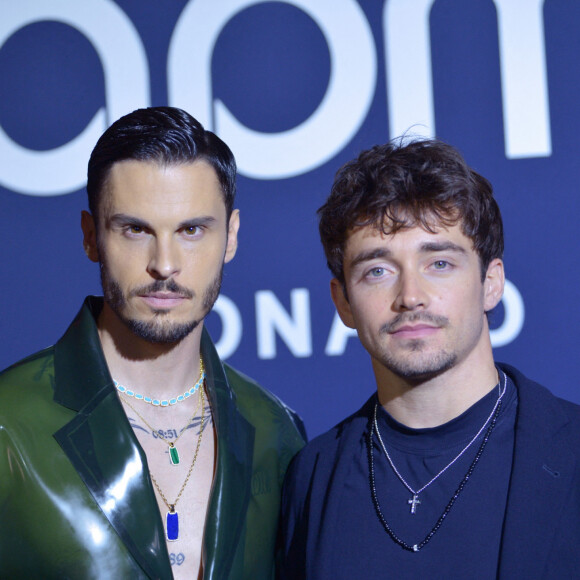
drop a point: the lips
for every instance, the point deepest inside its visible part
(415, 323)
(163, 300)
(163, 295)
(414, 331)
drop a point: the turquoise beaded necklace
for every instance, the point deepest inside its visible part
(164, 402)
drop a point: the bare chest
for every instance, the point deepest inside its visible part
(181, 450)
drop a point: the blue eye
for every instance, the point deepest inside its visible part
(440, 264)
(376, 272)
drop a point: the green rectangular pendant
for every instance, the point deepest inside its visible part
(174, 455)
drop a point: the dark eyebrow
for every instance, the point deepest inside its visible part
(122, 219)
(423, 248)
(197, 222)
(370, 255)
(442, 247)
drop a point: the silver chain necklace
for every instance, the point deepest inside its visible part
(414, 501)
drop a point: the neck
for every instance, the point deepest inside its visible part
(436, 400)
(151, 369)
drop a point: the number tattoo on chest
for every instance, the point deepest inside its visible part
(171, 432)
(176, 559)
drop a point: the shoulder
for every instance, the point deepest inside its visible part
(247, 388)
(538, 405)
(32, 376)
(265, 411)
(254, 400)
(322, 453)
(28, 413)
(30, 362)
(319, 470)
(533, 392)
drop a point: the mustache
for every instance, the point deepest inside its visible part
(414, 317)
(163, 286)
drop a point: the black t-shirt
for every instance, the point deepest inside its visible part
(467, 544)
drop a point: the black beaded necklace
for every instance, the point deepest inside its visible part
(427, 538)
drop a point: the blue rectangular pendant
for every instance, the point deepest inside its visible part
(172, 522)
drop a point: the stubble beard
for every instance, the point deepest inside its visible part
(417, 365)
(159, 330)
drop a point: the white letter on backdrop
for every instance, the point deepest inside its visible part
(514, 314)
(231, 326)
(408, 67)
(63, 169)
(331, 126)
(294, 330)
(526, 111)
(338, 337)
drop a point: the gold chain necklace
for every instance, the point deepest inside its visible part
(173, 453)
(172, 517)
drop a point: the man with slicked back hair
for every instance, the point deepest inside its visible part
(128, 449)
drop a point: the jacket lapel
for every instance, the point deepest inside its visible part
(232, 483)
(113, 467)
(102, 447)
(541, 481)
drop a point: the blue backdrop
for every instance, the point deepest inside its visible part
(296, 88)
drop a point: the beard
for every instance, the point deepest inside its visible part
(159, 330)
(417, 365)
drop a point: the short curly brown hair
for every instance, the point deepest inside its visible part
(402, 184)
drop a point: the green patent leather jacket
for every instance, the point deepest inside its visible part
(76, 500)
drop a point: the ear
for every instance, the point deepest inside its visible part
(89, 236)
(493, 285)
(341, 303)
(232, 243)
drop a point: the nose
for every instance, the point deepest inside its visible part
(412, 293)
(164, 260)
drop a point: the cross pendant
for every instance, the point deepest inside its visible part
(414, 502)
